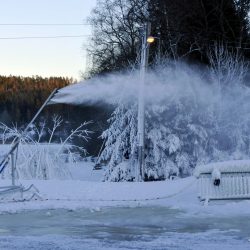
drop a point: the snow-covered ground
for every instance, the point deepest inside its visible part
(86, 213)
(86, 189)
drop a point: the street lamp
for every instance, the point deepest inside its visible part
(151, 39)
(146, 41)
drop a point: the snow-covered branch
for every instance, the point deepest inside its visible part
(40, 159)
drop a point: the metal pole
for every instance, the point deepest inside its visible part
(141, 103)
(13, 169)
(39, 111)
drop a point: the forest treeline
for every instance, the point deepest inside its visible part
(21, 97)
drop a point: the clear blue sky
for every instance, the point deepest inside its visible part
(45, 57)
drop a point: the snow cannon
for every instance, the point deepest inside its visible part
(17, 192)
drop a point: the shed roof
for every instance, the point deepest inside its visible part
(235, 166)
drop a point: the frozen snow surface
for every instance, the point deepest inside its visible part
(182, 241)
(86, 213)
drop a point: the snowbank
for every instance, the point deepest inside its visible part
(86, 190)
(58, 192)
(74, 194)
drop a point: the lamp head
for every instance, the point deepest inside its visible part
(150, 39)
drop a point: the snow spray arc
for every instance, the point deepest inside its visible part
(190, 118)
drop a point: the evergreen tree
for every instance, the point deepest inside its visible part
(121, 144)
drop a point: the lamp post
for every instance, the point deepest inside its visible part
(146, 41)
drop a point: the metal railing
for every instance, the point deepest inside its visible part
(232, 186)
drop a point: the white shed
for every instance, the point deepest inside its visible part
(224, 180)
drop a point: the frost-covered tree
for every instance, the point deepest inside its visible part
(121, 144)
(227, 67)
(177, 136)
(174, 142)
(40, 159)
(227, 72)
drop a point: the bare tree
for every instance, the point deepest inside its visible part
(116, 32)
(227, 67)
(57, 121)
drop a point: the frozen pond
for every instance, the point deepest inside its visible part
(121, 228)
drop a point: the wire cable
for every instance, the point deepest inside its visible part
(43, 37)
(44, 24)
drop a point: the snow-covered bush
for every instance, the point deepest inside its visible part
(41, 159)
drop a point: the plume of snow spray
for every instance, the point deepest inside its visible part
(162, 83)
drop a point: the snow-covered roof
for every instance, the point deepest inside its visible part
(236, 166)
